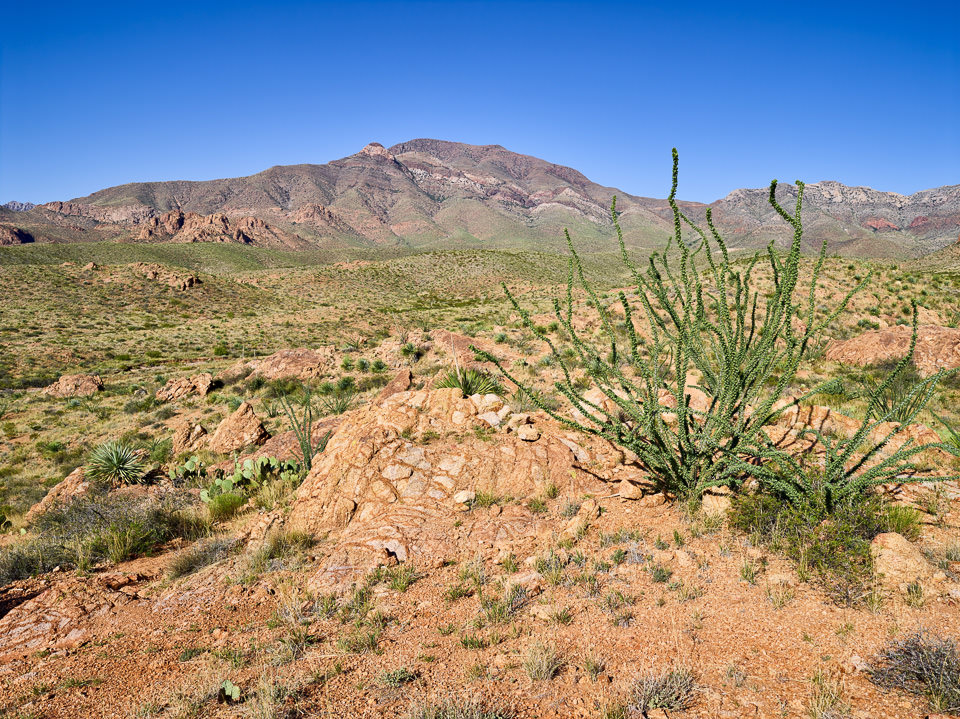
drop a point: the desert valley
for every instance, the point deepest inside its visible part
(368, 439)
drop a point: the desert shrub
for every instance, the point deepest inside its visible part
(924, 665)
(673, 690)
(89, 530)
(337, 403)
(454, 708)
(705, 318)
(471, 381)
(225, 506)
(116, 463)
(199, 556)
(542, 662)
(832, 544)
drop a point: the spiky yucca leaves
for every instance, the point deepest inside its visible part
(115, 462)
(301, 422)
(704, 319)
(471, 381)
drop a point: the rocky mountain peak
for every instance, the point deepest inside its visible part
(375, 149)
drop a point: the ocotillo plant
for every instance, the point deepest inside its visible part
(704, 319)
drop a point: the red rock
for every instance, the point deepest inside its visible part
(241, 429)
(75, 385)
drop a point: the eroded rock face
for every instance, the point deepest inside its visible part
(300, 363)
(62, 615)
(937, 347)
(14, 236)
(75, 385)
(391, 475)
(74, 485)
(180, 387)
(241, 429)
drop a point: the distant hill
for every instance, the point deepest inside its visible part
(18, 206)
(431, 193)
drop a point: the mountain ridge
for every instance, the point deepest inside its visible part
(426, 193)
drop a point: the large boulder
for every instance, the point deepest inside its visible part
(187, 438)
(898, 563)
(180, 387)
(241, 429)
(300, 363)
(75, 385)
(73, 486)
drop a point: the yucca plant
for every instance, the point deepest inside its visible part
(337, 403)
(471, 381)
(115, 462)
(301, 423)
(709, 328)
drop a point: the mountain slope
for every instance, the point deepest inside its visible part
(429, 193)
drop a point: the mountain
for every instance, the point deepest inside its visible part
(17, 206)
(432, 193)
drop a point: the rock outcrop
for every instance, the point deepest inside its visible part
(14, 236)
(75, 385)
(187, 438)
(73, 486)
(390, 477)
(180, 387)
(300, 363)
(177, 226)
(937, 347)
(159, 273)
(241, 429)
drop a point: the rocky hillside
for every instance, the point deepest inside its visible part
(426, 193)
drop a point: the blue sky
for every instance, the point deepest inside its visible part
(98, 94)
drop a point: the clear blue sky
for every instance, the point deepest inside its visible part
(98, 94)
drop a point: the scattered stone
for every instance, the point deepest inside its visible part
(464, 496)
(528, 433)
(629, 490)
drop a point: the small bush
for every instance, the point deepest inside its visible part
(832, 545)
(199, 556)
(93, 529)
(452, 708)
(115, 463)
(672, 690)
(541, 662)
(224, 506)
(922, 665)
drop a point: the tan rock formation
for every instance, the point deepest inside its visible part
(75, 385)
(188, 437)
(241, 429)
(300, 363)
(74, 485)
(392, 496)
(180, 387)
